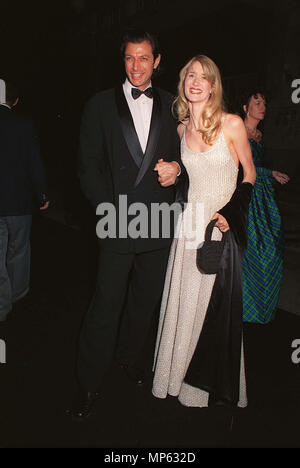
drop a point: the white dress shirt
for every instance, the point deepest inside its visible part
(141, 111)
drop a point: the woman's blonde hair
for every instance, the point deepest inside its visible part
(212, 114)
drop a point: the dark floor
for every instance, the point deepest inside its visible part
(37, 379)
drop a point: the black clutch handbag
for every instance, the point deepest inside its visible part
(209, 253)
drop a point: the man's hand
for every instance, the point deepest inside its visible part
(45, 206)
(167, 172)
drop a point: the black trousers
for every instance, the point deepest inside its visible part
(131, 282)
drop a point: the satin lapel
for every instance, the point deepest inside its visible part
(154, 132)
(128, 128)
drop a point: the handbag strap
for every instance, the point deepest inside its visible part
(209, 230)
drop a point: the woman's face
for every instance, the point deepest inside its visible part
(257, 107)
(196, 86)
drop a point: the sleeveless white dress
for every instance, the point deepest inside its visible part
(187, 291)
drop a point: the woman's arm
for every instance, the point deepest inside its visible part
(236, 134)
(238, 143)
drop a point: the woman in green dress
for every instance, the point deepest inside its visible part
(262, 263)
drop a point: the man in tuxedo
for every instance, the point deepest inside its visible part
(22, 190)
(128, 147)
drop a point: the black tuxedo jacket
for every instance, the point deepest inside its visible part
(22, 177)
(112, 163)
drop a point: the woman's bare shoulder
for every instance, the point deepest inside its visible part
(232, 120)
(233, 125)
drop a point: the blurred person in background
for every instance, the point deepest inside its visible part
(22, 190)
(263, 260)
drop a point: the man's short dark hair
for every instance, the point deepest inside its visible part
(12, 92)
(136, 36)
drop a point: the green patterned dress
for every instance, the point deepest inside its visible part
(262, 263)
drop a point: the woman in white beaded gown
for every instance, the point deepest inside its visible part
(212, 144)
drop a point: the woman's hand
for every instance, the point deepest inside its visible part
(221, 223)
(280, 177)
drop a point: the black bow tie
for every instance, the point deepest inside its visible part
(135, 93)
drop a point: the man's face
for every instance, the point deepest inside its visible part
(140, 63)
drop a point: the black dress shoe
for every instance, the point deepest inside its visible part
(136, 376)
(213, 401)
(83, 405)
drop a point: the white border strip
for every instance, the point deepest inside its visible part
(2, 91)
